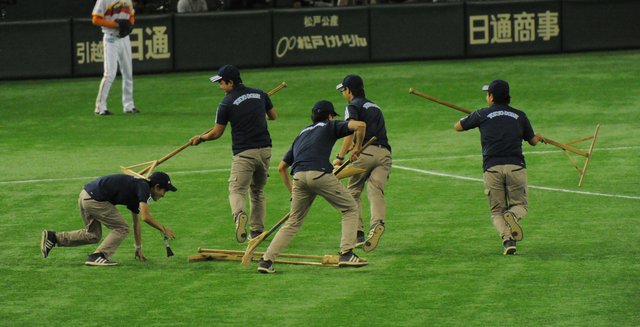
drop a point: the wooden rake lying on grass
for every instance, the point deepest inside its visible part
(566, 147)
(293, 259)
(149, 166)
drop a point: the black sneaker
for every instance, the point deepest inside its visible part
(47, 242)
(351, 260)
(375, 233)
(241, 226)
(98, 259)
(512, 221)
(265, 266)
(132, 111)
(104, 113)
(255, 234)
(360, 237)
(509, 247)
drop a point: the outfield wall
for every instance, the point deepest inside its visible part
(281, 37)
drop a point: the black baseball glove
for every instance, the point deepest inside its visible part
(124, 27)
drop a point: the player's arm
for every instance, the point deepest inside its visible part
(215, 133)
(98, 20)
(283, 170)
(148, 218)
(359, 128)
(536, 138)
(458, 126)
(272, 114)
(137, 235)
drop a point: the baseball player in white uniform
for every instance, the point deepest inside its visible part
(116, 17)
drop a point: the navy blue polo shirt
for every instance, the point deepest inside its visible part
(312, 148)
(246, 108)
(502, 130)
(365, 110)
(120, 189)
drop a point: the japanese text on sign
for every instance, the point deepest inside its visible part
(313, 42)
(317, 20)
(146, 43)
(512, 28)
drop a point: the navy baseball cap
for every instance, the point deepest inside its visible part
(323, 107)
(353, 82)
(226, 72)
(499, 89)
(163, 180)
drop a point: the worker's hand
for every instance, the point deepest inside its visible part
(196, 140)
(168, 232)
(140, 256)
(337, 163)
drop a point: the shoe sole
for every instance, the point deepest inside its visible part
(266, 270)
(96, 264)
(516, 229)
(510, 250)
(352, 264)
(241, 228)
(372, 242)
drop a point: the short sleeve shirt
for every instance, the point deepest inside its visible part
(120, 189)
(502, 130)
(312, 148)
(246, 108)
(111, 10)
(365, 110)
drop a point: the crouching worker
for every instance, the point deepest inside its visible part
(312, 176)
(97, 203)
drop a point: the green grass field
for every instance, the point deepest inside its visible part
(440, 261)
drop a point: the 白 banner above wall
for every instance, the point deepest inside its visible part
(318, 36)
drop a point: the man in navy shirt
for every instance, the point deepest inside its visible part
(502, 130)
(312, 173)
(97, 203)
(247, 110)
(375, 160)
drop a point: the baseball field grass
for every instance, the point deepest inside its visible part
(440, 260)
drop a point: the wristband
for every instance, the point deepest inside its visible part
(339, 157)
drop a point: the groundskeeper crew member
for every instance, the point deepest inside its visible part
(502, 130)
(309, 158)
(247, 110)
(375, 160)
(97, 203)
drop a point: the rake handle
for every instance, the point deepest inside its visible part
(442, 102)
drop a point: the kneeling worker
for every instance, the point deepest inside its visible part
(97, 203)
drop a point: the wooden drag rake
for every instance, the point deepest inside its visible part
(566, 147)
(149, 166)
(293, 259)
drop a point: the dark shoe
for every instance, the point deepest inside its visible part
(47, 242)
(132, 111)
(241, 226)
(98, 259)
(360, 237)
(509, 247)
(265, 266)
(351, 260)
(104, 113)
(255, 234)
(512, 221)
(375, 233)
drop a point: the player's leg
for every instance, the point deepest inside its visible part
(126, 70)
(301, 200)
(375, 192)
(92, 231)
(239, 183)
(110, 71)
(338, 196)
(258, 182)
(494, 190)
(356, 185)
(517, 199)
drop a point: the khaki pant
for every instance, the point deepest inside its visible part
(94, 215)
(306, 186)
(249, 172)
(506, 190)
(376, 161)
